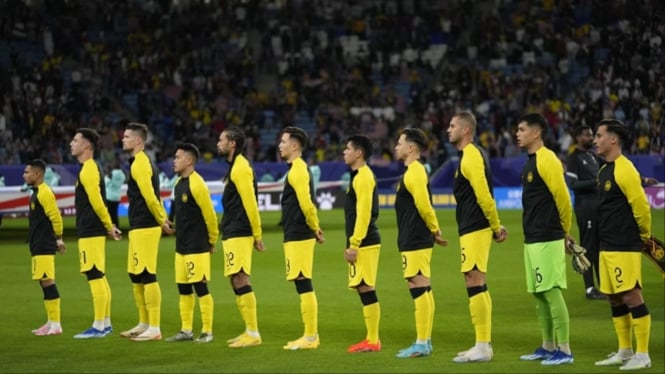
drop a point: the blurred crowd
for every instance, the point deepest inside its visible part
(190, 68)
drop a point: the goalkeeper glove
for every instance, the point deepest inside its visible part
(580, 263)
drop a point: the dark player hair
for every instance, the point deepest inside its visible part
(235, 134)
(535, 119)
(617, 128)
(580, 129)
(363, 143)
(139, 128)
(298, 134)
(37, 163)
(415, 136)
(189, 148)
(90, 135)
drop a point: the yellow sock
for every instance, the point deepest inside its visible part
(153, 303)
(642, 327)
(481, 317)
(423, 316)
(207, 305)
(139, 298)
(623, 326)
(52, 309)
(186, 306)
(247, 305)
(309, 308)
(372, 314)
(100, 298)
(430, 295)
(108, 304)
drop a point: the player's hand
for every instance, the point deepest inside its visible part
(114, 233)
(319, 236)
(351, 255)
(213, 249)
(60, 246)
(438, 239)
(569, 242)
(501, 235)
(167, 227)
(258, 244)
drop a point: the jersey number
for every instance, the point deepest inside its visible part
(404, 262)
(352, 270)
(229, 259)
(190, 268)
(83, 257)
(617, 274)
(539, 277)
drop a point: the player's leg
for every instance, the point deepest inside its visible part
(207, 305)
(43, 270)
(138, 289)
(299, 256)
(416, 270)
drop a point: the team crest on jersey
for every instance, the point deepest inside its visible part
(608, 185)
(184, 198)
(529, 177)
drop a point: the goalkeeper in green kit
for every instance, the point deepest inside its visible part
(546, 221)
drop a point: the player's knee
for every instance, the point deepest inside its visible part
(94, 273)
(416, 292)
(46, 282)
(304, 285)
(369, 298)
(201, 288)
(185, 289)
(239, 280)
(51, 292)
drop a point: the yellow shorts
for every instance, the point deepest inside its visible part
(365, 268)
(416, 262)
(619, 271)
(143, 250)
(476, 250)
(92, 253)
(43, 267)
(299, 256)
(238, 255)
(192, 267)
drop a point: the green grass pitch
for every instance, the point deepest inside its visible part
(340, 318)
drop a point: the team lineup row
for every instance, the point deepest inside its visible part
(621, 207)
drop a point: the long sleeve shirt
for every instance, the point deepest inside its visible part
(92, 215)
(241, 210)
(300, 220)
(416, 219)
(196, 222)
(472, 187)
(361, 209)
(624, 214)
(547, 211)
(145, 206)
(45, 221)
